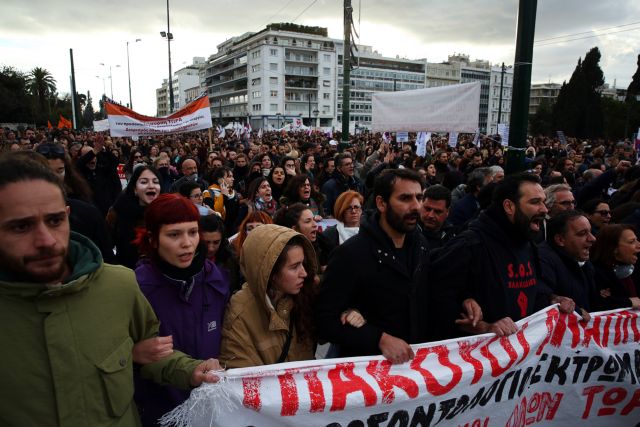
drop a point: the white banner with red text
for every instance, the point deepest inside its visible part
(125, 122)
(556, 370)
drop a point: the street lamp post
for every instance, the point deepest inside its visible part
(315, 114)
(169, 37)
(110, 77)
(129, 73)
(278, 119)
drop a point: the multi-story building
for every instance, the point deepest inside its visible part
(476, 71)
(542, 91)
(371, 73)
(162, 99)
(283, 72)
(443, 74)
(182, 80)
(500, 92)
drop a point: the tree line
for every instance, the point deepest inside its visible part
(33, 98)
(580, 109)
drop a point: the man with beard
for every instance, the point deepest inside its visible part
(73, 326)
(378, 272)
(493, 262)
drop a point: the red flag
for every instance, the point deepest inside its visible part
(64, 123)
(49, 126)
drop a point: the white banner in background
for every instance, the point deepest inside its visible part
(125, 122)
(101, 125)
(436, 109)
(555, 371)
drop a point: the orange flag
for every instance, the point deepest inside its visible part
(49, 126)
(64, 123)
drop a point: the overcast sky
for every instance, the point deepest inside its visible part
(41, 32)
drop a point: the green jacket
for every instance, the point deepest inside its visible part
(66, 350)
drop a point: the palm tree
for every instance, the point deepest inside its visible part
(42, 85)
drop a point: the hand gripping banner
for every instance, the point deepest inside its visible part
(556, 370)
(125, 122)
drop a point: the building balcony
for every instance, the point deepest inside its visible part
(305, 59)
(294, 72)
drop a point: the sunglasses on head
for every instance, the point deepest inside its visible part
(51, 150)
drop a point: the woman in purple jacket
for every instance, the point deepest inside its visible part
(186, 290)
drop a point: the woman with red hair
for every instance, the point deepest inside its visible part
(186, 290)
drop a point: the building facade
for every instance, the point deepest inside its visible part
(542, 92)
(182, 80)
(269, 78)
(500, 96)
(371, 73)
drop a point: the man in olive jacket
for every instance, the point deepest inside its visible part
(68, 321)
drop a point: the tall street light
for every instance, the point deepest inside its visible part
(129, 73)
(169, 37)
(110, 77)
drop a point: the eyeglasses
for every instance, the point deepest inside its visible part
(51, 150)
(354, 208)
(603, 213)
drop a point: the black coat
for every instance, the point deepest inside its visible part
(366, 273)
(565, 277)
(606, 279)
(490, 262)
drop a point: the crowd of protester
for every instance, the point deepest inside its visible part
(256, 248)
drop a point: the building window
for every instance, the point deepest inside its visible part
(273, 52)
(256, 107)
(326, 71)
(327, 57)
(256, 82)
(256, 94)
(273, 107)
(255, 54)
(326, 96)
(274, 93)
(273, 66)
(326, 109)
(273, 80)
(326, 83)
(255, 68)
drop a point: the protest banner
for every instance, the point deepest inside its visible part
(503, 131)
(453, 139)
(436, 109)
(125, 122)
(556, 371)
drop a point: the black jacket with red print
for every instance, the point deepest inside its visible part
(492, 262)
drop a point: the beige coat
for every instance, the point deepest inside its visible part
(254, 332)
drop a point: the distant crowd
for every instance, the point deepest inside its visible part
(182, 255)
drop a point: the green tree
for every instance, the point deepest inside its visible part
(541, 122)
(88, 113)
(578, 110)
(42, 86)
(15, 103)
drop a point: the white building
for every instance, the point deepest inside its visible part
(499, 113)
(371, 73)
(443, 74)
(283, 72)
(162, 99)
(182, 80)
(542, 92)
